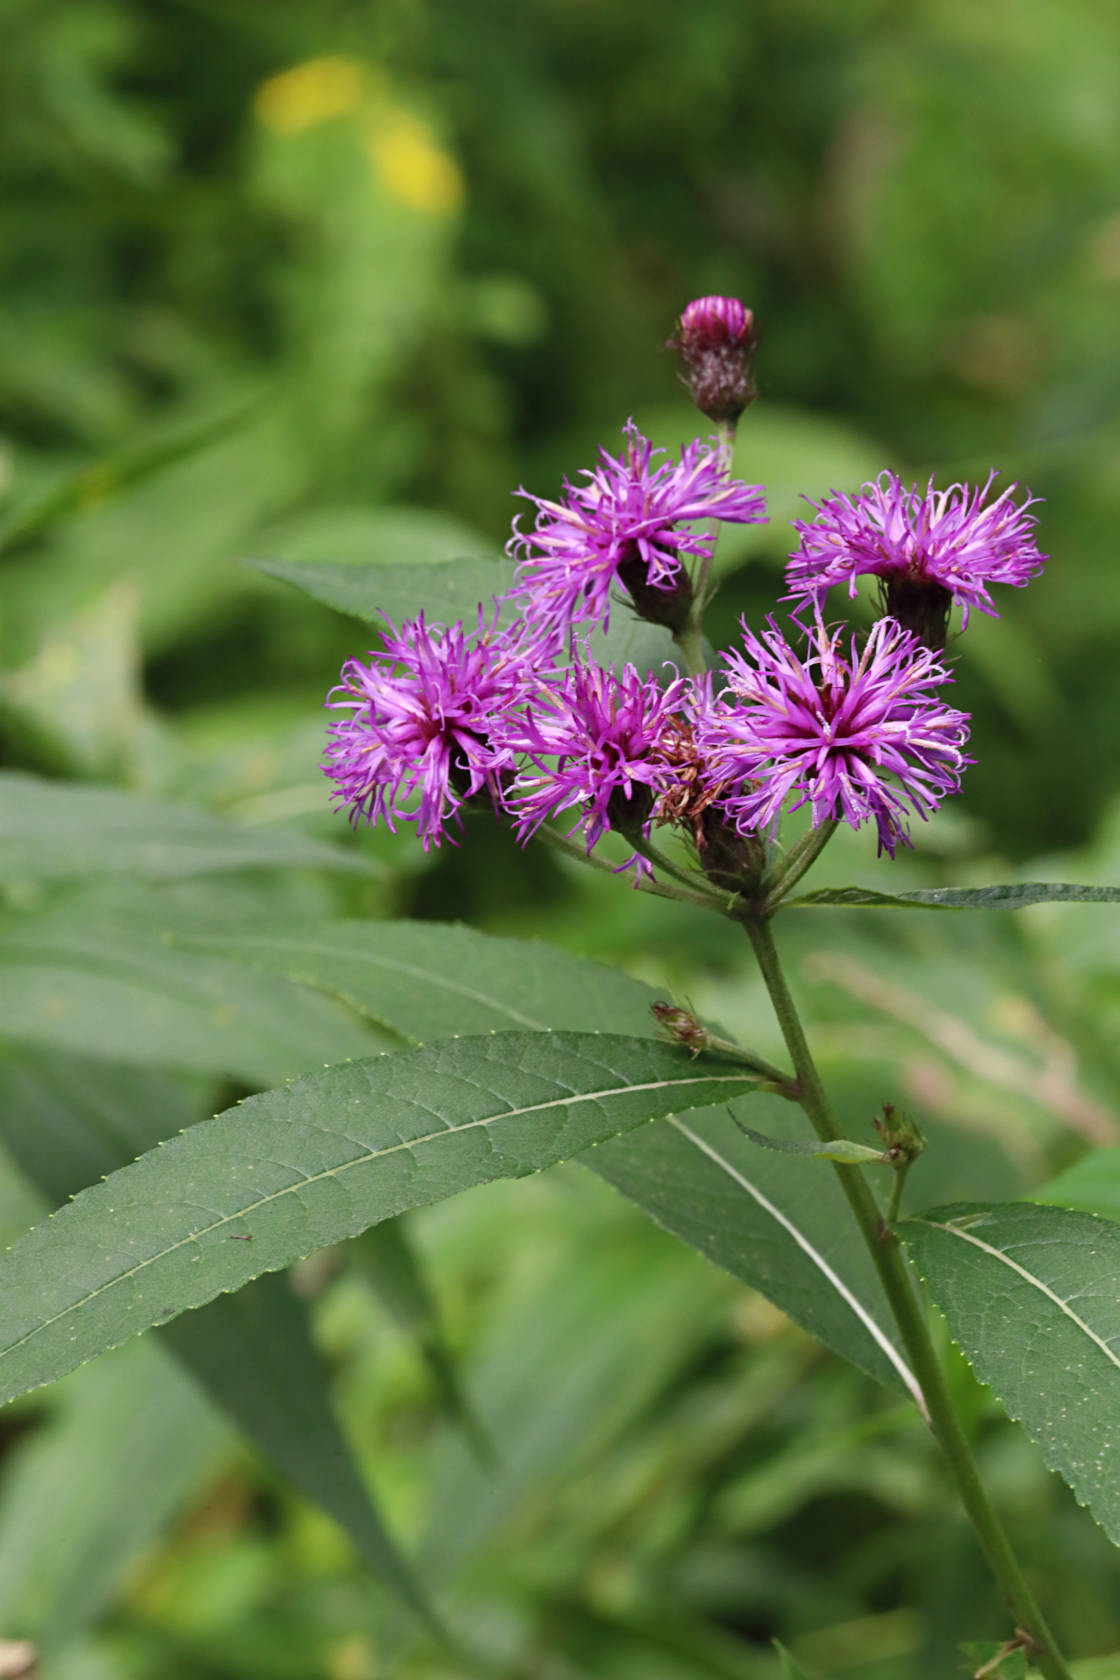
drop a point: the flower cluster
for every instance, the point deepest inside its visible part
(515, 713)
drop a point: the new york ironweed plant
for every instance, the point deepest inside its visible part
(713, 781)
(515, 712)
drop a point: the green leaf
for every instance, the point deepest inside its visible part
(1016, 895)
(791, 1668)
(67, 1123)
(94, 1486)
(767, 1218)
(1032, 1295)
(780, 1228)
(51, 830)
(849, 1154)
(1091, 1184)
(386, 1257)
(429, 980)
(77, 981)
(443, 592)
(402, 537)
(295, 1169)
(101, 481)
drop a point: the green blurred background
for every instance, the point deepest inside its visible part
(327, 283)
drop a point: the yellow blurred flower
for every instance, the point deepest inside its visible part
(410, 165)
(309, 94)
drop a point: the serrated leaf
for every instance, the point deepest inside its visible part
(444, 592)
(50, 830)
(68, 1122)
(777, 1222)
(1032, 1295)
(781, 1228)
(296, 1169)
(1016, 895)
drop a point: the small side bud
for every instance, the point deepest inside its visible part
(902, 1140)
(717, 340)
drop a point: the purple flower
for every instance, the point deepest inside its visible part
(929, 550)
(717, 341)
(626, 523)
(414, 738)
(597, 742)
(716, 320)
(864, 737)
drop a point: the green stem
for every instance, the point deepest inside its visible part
(800, 858)
(660, 889)
(897, 1282)
(689, 638)
(692, 883)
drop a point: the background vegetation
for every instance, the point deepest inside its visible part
(325, 283)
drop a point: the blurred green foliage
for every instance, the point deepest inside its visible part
(310, 282)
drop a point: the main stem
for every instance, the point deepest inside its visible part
(891, 1266)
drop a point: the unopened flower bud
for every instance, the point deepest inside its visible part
(717, 340)
(729, 859)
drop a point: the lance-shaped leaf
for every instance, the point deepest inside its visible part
(429, 980)
(311, 1164)
(1032, 1295)
(1016, 895)
(67, 1122)
(444, 591)
(52, 830)
(779, 1224)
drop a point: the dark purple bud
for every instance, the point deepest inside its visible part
(717, 340)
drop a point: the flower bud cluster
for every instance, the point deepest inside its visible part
(514, 713)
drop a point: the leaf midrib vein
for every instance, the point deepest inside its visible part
(1044, 1288)
(851, 1300)
(345, 1166)
(429, 978)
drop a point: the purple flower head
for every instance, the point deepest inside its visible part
(709, 321)
(628, 522)
(596, 741)
(413, 737)
(860, 737)
(929, 549)
(717, 340)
